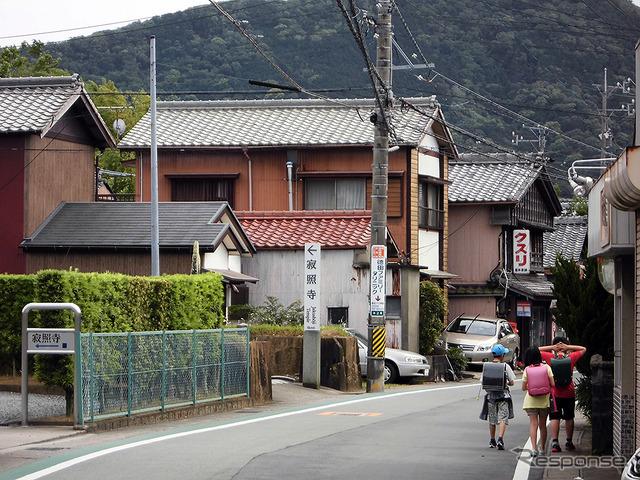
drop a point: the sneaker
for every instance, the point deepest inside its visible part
(555, 447)
(492, 443)
(500, 444)
(569, 445)
(534, 453)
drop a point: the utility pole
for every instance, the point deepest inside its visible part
(605, 113)
(380, 181)
(155, 230)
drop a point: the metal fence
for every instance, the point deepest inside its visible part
(135, 372)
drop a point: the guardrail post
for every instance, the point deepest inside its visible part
(164, 368)
(223, 361)
(195, 363)
(248, 362)
(129, 379)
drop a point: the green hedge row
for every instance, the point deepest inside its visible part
(110, 302)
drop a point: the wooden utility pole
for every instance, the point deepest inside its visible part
(380, 180)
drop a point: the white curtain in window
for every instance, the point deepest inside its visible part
(320, 195)
(350, 194)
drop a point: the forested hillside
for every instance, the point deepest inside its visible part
(496, 63)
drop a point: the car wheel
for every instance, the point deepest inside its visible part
(390, 372)
(514, 359)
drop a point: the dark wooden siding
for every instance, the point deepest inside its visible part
(268, 172)
(12, 259)
(128, 263)
(55, 171)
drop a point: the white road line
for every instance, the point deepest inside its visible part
(84, 458)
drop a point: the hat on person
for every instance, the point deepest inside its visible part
(499, 350)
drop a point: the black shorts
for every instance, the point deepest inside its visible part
(566, 409)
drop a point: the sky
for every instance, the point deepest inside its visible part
(22, 20)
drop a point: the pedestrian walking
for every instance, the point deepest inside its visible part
(562, 358)
(537, 381)
(497, 407)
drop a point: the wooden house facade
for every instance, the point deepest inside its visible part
(489, 199)
(49, 131)
(305, 155)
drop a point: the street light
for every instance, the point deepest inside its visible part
(582, 184)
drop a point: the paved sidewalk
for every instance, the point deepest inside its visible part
(579, 464)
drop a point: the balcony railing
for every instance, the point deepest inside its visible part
(430, 218)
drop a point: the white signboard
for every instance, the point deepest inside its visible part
(51, 340)
(521, 251)
(312, 286)
(378, 282)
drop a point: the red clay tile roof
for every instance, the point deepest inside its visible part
(291, 230)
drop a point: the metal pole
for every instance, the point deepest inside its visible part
(604, 128)
(637, 120)
(155, 231)
(380, 180)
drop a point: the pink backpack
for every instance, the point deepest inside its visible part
(538, 380)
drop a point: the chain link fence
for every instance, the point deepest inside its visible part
(135, 372)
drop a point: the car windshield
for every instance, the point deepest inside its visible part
(472, 327)
(361, 338)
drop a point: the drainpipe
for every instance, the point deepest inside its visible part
(290, 178)
(636, 141)
(246, 154)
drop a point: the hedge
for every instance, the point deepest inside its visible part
(109, 302)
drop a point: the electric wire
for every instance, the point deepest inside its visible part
(501, 108)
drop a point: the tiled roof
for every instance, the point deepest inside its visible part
(490, 181)
(567, 239)
(532, 285)
(128, 225)
(36, 104)
(496, 177)
(293, 122)
(291, 230)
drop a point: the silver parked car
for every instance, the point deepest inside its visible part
(397, 363)
(476, 336)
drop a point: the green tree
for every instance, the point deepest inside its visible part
(584, 308)
(274, 313)
(585, 311)
(578, 206)
(433, 307)
(29, 60)
(116, 105)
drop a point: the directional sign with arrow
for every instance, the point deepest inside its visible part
(51, 340)
(312, 286)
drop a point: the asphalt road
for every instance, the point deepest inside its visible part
(430, 432)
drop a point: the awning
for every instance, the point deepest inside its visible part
(437, 274)
(534, 286)
(232, 277)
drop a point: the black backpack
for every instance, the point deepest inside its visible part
(562, 371)
(494, 376)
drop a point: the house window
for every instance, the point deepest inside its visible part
(393, 307)
(202, 190)
(335, 194)
(338, 316)
(430, 206)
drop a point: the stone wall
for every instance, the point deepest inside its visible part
(339, 360)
